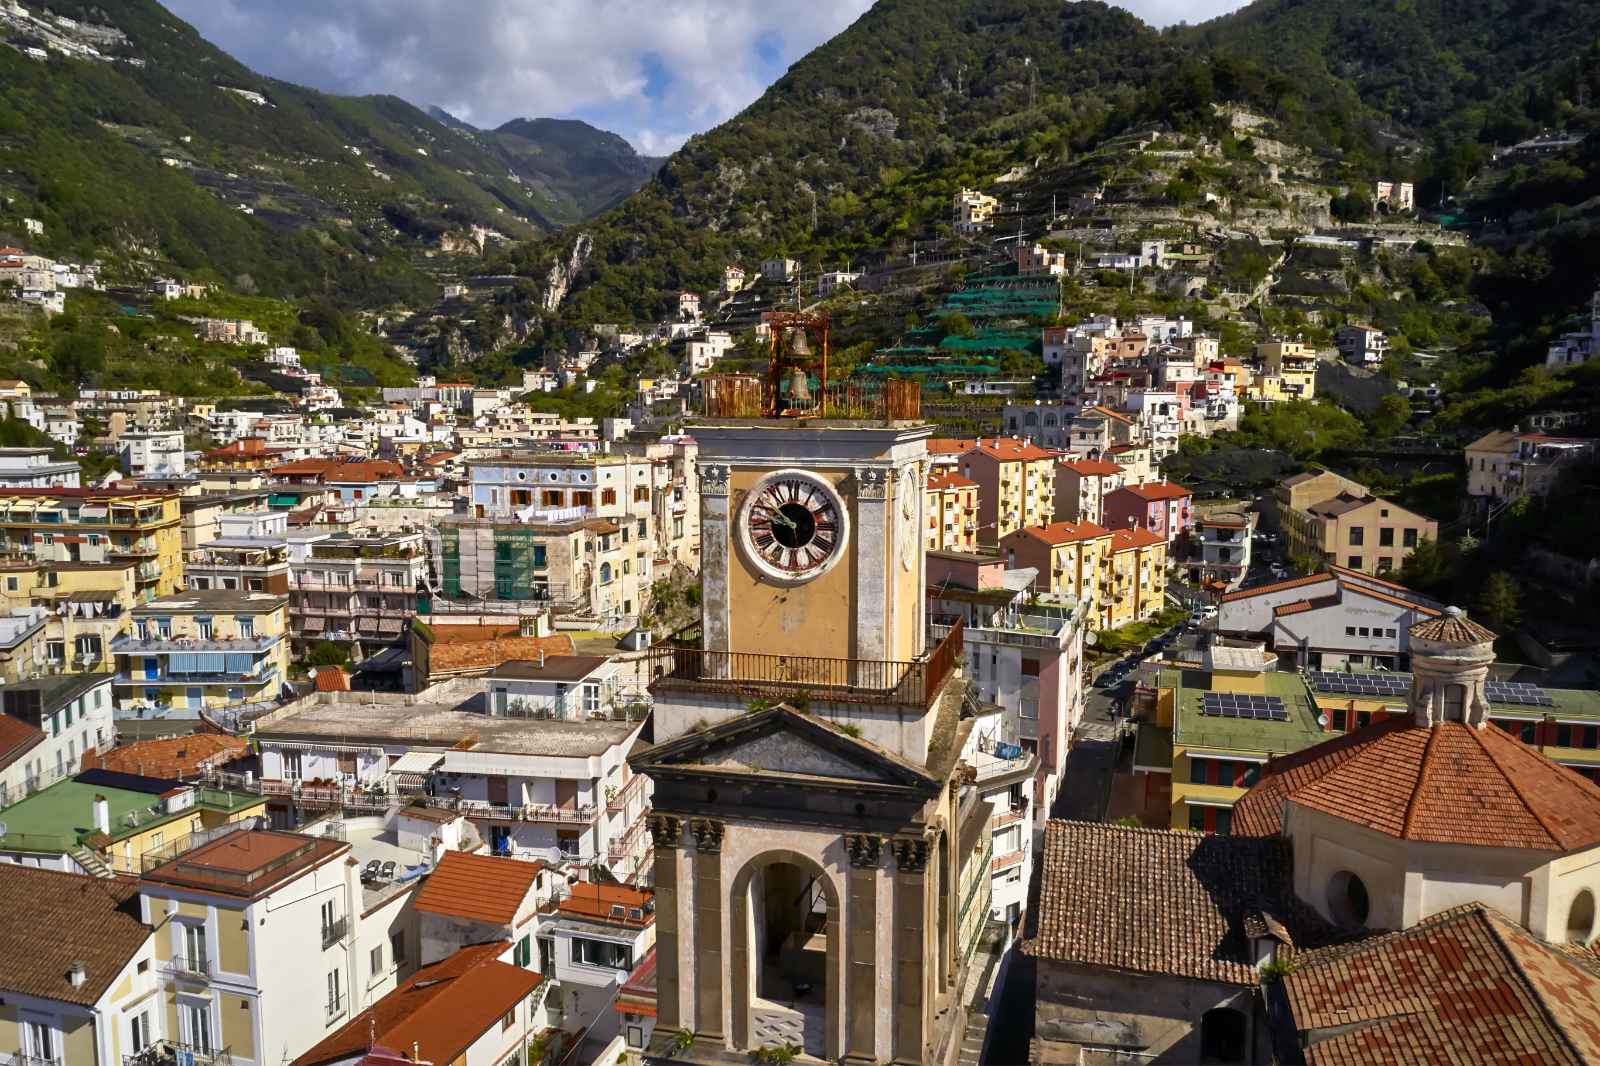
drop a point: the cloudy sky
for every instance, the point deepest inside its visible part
(655, 71)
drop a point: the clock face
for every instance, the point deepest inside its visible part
(793, 526)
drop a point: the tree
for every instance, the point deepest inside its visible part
(1393, 412)
(957, 324)
(327, 653)
(1427, 568)
(1498, 601)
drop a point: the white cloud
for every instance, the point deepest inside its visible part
(487, 61)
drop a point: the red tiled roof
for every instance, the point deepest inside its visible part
(1276, 586)
(1091, 467)
(1012, 449)
(484, 647)
(1161, 901)
(1448, 784)
(951, 445)
(481, 887)
(17, 738)
(1109, 413)
(595, 901)
(441, 1009)
(638, 994)
(332, 679)
(1463, 986)
(1158, 490)
(1065, 532)
(172, 757)
(1452, 627)
(1124, 539)
(52, 919)
(939, 482)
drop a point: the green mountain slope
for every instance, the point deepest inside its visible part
(172, 151)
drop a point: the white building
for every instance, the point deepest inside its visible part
(974, 211)
(831, 281)
(1579, 347)
(779, 269)
(157, 453)
(1394, 195)
(35, 468)
(1361, 344)
(57, 720)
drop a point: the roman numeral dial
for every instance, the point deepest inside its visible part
(793, 525)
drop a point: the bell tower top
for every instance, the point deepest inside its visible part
(1450, 659)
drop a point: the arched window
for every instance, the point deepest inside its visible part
(1224, 1033)
(1580, 919)
(1348, 900)
(605, 572)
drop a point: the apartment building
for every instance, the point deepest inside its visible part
(952, 509)
(1224, 539)
(1082, 486)
(596, 936)
(76, 980)
(1294, 364)
(1003, 774)
(36, 468)
(1134, 579)
(68, 717)
(355, 588)
(1070, 558)
(98, 526)
(1506, 465)
(203, 651)
(1294, 495)
(152, 453)
(1016, 485)
(266, 942)
(1361, 344)
(974, 211)
(533, 788)
(83, 607)
(1366, 533)
(1164, 508)
(1046, 424)
(1024, 654)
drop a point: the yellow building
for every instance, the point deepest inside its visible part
(204, 650)
(952, 507)
(98, 526)
(1071, 558)
(1293, 364)
(1133, 579)
(1016, 484)
(89, 605)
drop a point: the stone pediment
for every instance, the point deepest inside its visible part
(781, 743)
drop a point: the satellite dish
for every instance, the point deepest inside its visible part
(1322, 720)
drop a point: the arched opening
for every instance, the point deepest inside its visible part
(1224, 1036)
(1580, 918)
(786, 953)
(1348, 901)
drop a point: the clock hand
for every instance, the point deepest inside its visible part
(780, 517)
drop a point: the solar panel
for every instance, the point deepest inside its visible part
(1243, 705)
(1360, 684)
(1517, 692)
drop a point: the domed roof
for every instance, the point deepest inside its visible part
(1452, 626)
(1448, 784)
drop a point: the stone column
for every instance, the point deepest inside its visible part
(716, 555)
(861, 948)
(872, 531)
(910, 949)
(667, 831)
(708, 955)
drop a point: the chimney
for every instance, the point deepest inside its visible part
(541, 658)
(102, 814)
(77, 975)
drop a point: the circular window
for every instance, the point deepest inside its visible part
(1580, 919)
(1347, 899)
(522, 475)
(583, 478)
(551, 476)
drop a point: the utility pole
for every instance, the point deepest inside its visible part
(1033, 79)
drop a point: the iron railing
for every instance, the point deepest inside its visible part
(786, 677)
(168, 1053)
(334, 932)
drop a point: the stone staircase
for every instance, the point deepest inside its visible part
(91, 862)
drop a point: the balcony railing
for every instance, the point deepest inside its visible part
(188, 967)
(619, 800)
(914, 683)
(530, 812)
(335, 1007)
(334, 932)
(22, 1058)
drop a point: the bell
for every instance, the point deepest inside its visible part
(799, 386)
(798, 345)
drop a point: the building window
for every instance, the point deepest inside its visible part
(1358, 536)
(608, 496)
(602, 953)
(1355, 562)
(508, 1021)
(1197, 819)
(377, 960)
(1198, 772)
(1455, 701)
(1409, 538)
(1386, 537)
(1580, 918)
(397, 948)
(247, 627)
(1348, 900)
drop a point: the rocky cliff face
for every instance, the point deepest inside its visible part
(558, 281)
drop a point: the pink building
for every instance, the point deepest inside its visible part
(1162, 507)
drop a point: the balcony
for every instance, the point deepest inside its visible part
(618, 800)
(188, 967)
(335, 1008)
(334, 932)
(154, 645)
(548, 814)
(622, 846)
(22, 1058)
(754, 674)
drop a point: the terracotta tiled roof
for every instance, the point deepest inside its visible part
(441, 1009)
(1276, 586)
(1109, 413)
(596, 901)
(482, 647)
(638, 994)
(1452, 627)
(1066, 532)
(951, 445)
(1091, 467)
(172, 757)
(51, 920)
(17, 738)
(1013, 449)
(1124, 539)
(481, 887)
(1297, 607)
(950, 481)
(1464, 986)
(1448, 784)
(1162, 902)
(1158, 490)
(332, 679)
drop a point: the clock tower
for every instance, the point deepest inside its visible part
(811, 537)
(819, 849)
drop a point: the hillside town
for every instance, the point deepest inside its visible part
(1121, 611)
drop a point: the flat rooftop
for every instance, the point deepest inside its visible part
(1191, 729)
(213, 600)
(448, 723)
(60, 817)
(247, 863)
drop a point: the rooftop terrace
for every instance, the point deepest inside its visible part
(1192, 729)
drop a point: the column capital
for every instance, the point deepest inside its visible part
(866, 850)
(911, 854)
(872, 483)
(713, 479)
(708, 833)
(666, 830)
